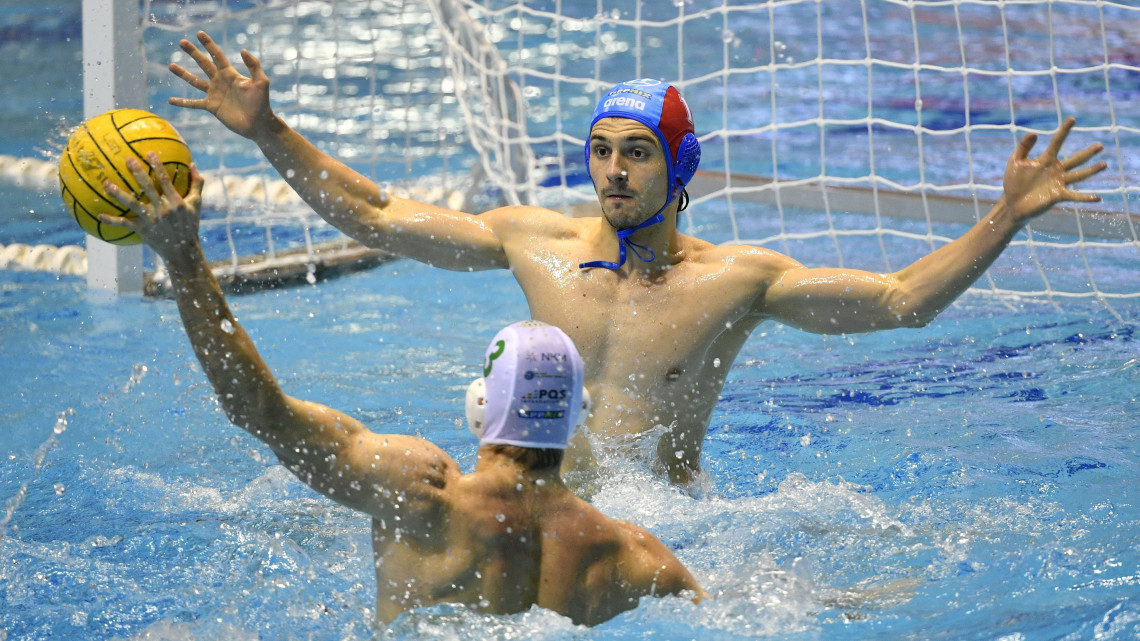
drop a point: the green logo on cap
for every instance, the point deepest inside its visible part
(502, 345)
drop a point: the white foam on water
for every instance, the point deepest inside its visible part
(168, 630)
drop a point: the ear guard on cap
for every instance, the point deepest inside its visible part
(688, 158)
(477, 408)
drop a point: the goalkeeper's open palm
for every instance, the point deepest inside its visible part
(241, 103)
(1033, 185)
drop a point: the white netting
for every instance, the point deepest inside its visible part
(363, 80)
(843, 132)
(811, 110)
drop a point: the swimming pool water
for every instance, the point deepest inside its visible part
(974, 479)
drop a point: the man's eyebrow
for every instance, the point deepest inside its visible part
(637, 137)
(642, 137)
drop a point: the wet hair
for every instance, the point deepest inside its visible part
(532, 458)
(683, 200)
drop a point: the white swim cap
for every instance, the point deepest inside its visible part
(531, 392)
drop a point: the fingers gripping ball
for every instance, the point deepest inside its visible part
(98, 152)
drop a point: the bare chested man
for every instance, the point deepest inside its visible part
(659, 326)
(501, 539)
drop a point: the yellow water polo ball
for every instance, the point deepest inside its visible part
(98, 151)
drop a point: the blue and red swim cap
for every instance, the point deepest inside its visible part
(660, 107)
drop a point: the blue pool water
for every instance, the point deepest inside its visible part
(975, 479)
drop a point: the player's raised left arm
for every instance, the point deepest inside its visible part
(835, 301)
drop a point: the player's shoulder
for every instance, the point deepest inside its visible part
(523, 215)
(577, 523)
(535, 221)
(734, 256)
(633, 536)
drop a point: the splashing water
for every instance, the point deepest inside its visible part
(13, 503)
(16, 500)
(901, 496)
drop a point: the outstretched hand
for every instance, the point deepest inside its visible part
(1033, 185)
(240, 103)
(166, 220)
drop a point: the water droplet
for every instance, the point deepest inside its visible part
(138, 372)
(500, 517)
(60, 488)
(289, 173)
(679, 454)
(227, 326)
(727, 35)
(805, 440)
(716, 362)
(324, 174)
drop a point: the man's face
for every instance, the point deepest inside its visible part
(628, 167)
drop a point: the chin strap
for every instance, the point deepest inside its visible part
(623, 240)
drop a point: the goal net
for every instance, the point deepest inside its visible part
(847, 133)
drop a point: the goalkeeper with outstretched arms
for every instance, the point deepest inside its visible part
(659, 316)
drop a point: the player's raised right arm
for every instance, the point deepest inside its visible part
(343, 197)
(393, 477)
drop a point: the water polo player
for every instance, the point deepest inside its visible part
(659, 316)
(503, 538)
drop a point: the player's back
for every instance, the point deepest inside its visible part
(506, 543)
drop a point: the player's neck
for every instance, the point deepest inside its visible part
(665, 243)
(491, 463)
